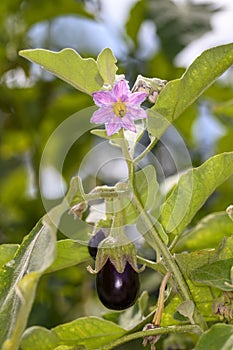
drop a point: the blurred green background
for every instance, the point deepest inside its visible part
(147, 37)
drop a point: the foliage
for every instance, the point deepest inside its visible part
(47, 298)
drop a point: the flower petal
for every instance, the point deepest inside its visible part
(112, 128)
(102, 98)
(137, 98)
(136, 112)
(121, 90)
(102, 115)
(128, 123)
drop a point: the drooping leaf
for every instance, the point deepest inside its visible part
(219, 336)
(106, 65)
(68, 253)
(216, 274)
(192, 190)
(207, 233)
(68, 65)
(90, 332)
(178, 94)
(18, 281)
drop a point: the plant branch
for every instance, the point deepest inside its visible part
(156, 331)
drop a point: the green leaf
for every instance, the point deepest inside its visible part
(186, 309)
(219, 336)
(34, 11)
(106, 65)
(18, 281)
(136, 18)
(147, 187)
(7, 252)
(19, 277)
(207, 233)
(224, 109)
(217, 274)
(190, 261)
(68, 65)
(68, 253)
(192, 190)
(91, 332)
(178, 94)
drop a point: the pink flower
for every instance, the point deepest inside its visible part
(118, 108)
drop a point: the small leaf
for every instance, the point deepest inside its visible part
(192, 190)
(217, 274)
(106, 65)
(219, 336)
(91, 332)
(186, 309)
(68, 65)
(178, 94)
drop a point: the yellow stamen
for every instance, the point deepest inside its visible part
(119, 108)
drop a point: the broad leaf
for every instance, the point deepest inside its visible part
(91, 332)
(69, 66)
(68, 253)
(106, 65)
(178, 94)
(18, 281)
(207, 233)
(219, 336)
(217, 274)
(192, 190)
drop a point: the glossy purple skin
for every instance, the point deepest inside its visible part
(117, 291)
(94, 242)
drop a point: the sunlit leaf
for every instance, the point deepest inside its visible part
(91, 332)
(106, 65)
(181, 93)
(193, 189)
(69, 66)
(207, 233)
(215, 275)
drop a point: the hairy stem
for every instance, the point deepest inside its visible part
(156, 331)
(155, 236)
